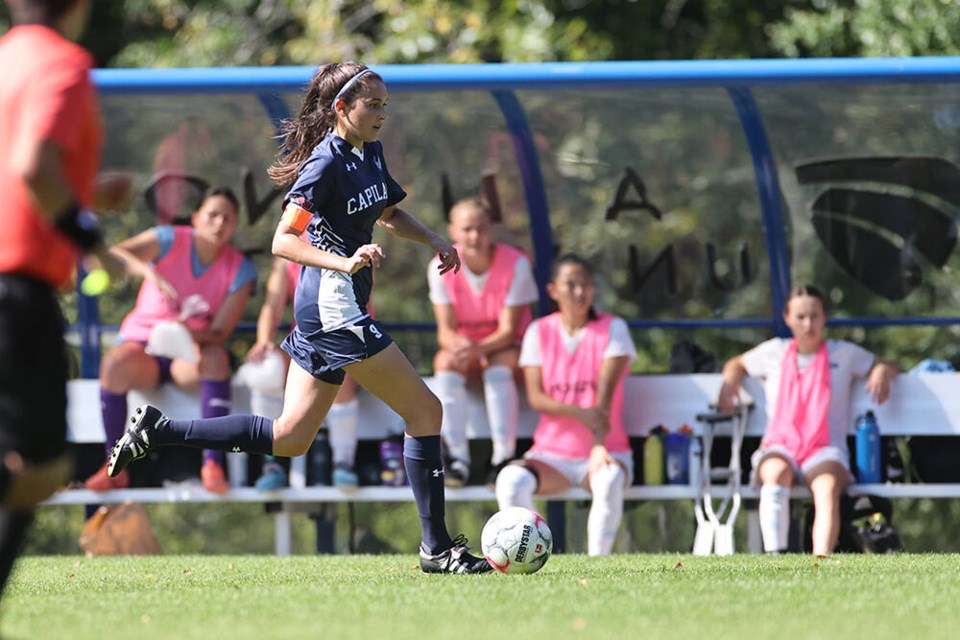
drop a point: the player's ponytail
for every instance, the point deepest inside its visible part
(317, 117)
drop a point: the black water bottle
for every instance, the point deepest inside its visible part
(893, 461)
(320, 461)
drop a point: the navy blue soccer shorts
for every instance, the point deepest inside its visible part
(33, 370)
(324, 354)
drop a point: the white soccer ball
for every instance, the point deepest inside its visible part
(516, 540)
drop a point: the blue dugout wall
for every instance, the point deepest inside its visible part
(701, 190)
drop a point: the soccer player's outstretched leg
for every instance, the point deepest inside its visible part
(332, 167)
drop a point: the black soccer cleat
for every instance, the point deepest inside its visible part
(137, 440)
(453, 560)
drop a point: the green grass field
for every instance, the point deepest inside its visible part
(624, 596)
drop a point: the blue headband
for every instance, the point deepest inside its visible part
(352, 81)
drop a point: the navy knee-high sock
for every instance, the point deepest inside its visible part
(14, 526)
(421, 457)
(253, 434)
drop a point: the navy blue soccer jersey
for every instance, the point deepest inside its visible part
(346, 190)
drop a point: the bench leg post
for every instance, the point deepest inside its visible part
(282, 532)
(754, 539)
(326, 521)
(557, 519)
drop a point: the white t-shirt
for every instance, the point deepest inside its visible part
(522, 291)
(619, 343)
(849, 363)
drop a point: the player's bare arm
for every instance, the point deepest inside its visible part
(403, 225)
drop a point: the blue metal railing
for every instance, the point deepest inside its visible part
(560, 75)
(736, 76)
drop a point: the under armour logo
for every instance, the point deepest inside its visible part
(437, 473)
(235, 449)
(351, 166)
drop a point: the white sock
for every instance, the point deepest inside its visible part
(452, 391)
(503, 411)
(774, 513)
(268, 405)
(342, 422)
(606, 510)
(515, 487)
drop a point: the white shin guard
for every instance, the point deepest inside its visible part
(515, 487)
(606, 510)
(452, 391)
(503, 411)
(774, 514)
(342, 422)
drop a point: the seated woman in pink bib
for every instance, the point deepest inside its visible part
(481, 314)
(574, 363)
(195, 287)
(807, 383)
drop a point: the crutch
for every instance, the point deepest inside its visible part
(715, 526)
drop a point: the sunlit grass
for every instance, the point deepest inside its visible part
(623, 596)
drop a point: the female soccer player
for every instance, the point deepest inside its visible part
(338, 186)
(807, 382)
(574, 362)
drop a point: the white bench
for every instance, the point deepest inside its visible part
(922, 405)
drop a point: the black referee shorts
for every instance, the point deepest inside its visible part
(33, 370)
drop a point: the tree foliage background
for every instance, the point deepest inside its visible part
(169, 33)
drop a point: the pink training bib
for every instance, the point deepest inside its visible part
(799, 421)
(212, 286)
(478, 313)
(574, 379)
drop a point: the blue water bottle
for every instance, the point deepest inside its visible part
(868, 449)
(677, 448)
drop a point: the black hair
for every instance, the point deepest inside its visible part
(44, 12)
(317, 116)
(225, 192)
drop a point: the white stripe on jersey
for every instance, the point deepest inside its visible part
(329, 241)
(336, 301)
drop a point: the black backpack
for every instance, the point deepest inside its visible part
(866, 526)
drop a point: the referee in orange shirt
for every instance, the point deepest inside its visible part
(50, 139)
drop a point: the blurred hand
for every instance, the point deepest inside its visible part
(101, 258)
(162, 284)
(599, 458)
(464, 352)
(259, 351)
(729, 398)
(595, 419)
(449, 258)
(878, 383)
(113, 191)
(368, 254)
